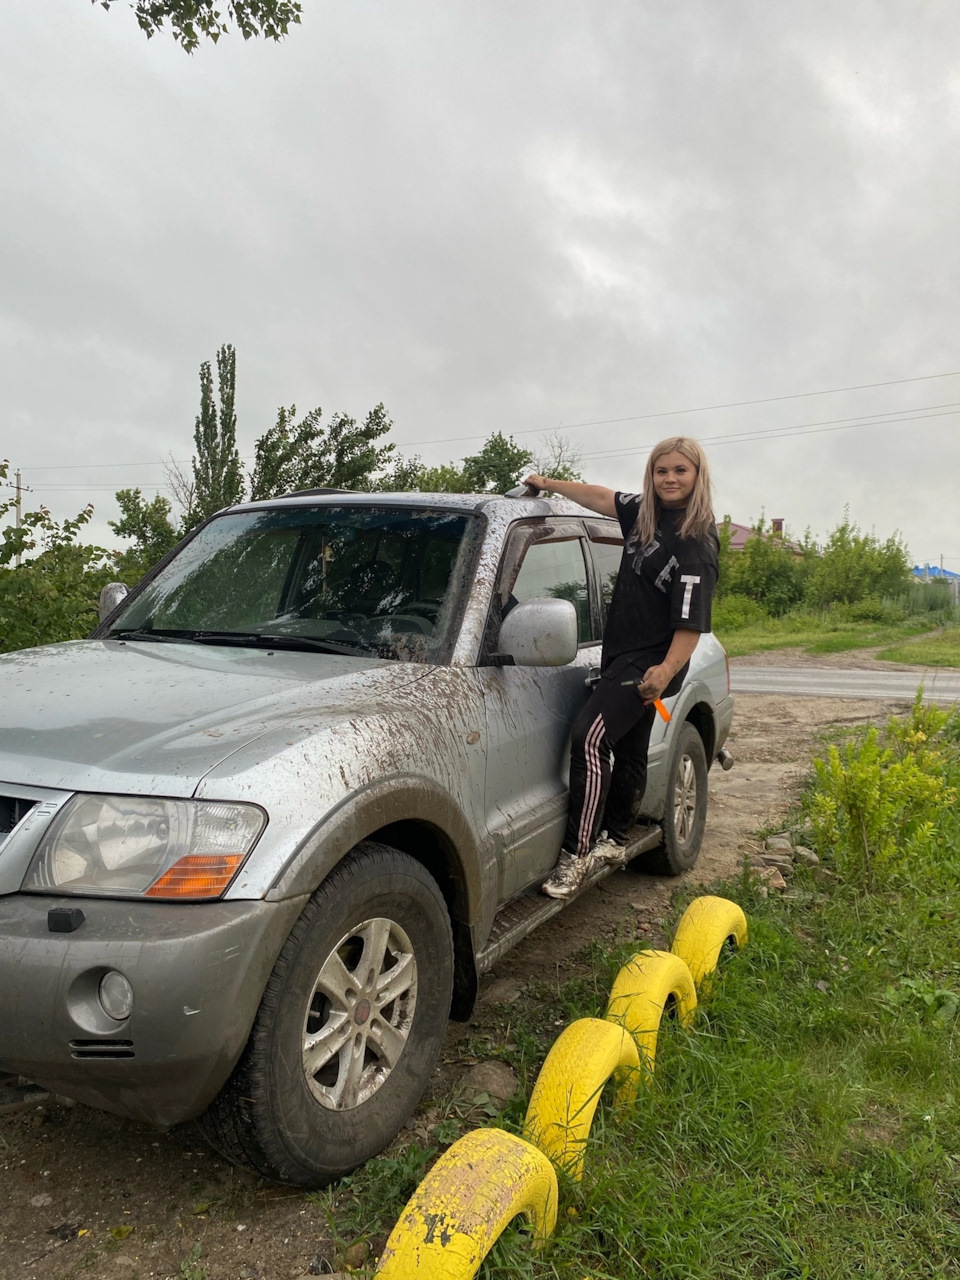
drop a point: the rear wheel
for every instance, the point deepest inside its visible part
(685, 816)
(349, 1027)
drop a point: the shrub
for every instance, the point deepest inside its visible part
(876, 802)
(53, 593)
(767, 570)
(734, 612)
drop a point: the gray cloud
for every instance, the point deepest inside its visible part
(493, 216)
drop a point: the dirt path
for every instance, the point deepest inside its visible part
(87, 1193)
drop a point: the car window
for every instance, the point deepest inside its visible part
(556, 569)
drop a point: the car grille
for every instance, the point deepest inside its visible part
(12, 809)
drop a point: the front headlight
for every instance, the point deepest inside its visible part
(141, 847)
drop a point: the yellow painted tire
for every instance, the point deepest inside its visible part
(706, 925)
(568, 1088)
(455, 1216)
(641, 990)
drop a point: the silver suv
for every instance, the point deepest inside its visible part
(262, 832)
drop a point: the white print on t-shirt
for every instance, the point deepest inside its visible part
(690, 582)
(633, 542)
(666, 573)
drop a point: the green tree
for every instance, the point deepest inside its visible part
(193, 20)
(497, 467)
(216, 464)
(404, 476)
(769, 569)
(53, 594)
(853, 565)
(150, 527)
(295, 455)
(284, 453)
(446, 478)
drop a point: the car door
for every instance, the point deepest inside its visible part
(529, 710)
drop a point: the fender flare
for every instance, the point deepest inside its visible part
(395, 798)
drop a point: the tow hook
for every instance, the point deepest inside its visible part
(724, 759)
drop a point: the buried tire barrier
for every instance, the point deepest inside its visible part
(489, 1177)
(458, 1212)
(641, 992)
(568, 1088)
(705, 927)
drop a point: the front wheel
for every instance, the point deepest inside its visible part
(686, 811)
(349, 1027)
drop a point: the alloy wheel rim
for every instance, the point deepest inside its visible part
(684, 799)
(360, 1013)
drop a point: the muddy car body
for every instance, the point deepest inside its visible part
(262, 832)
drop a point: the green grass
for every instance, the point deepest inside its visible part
(815, 635)
(807, 1128)
(797, 1132)
(939, 650)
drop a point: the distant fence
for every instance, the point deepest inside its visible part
(933, 573)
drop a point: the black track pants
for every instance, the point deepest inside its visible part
(614, 721)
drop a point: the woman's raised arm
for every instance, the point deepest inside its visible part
(593, 496)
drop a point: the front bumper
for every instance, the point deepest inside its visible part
(197, 972)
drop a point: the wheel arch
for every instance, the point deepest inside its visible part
(417, 817)
(702, 718)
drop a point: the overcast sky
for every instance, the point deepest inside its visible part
(497, 215)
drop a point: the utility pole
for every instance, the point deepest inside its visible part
(18, 504)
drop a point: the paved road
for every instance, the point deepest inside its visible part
(938, 686)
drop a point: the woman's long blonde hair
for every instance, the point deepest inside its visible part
(698, 518)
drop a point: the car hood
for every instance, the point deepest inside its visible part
(104, 715)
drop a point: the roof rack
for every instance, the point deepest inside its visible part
(311, 493)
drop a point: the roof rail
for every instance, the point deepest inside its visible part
(310, 493)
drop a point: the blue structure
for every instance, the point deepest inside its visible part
(934, 571)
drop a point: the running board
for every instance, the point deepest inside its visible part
(521, 915)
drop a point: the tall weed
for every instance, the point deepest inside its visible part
(878, 803)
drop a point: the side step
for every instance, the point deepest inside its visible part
(521, 915)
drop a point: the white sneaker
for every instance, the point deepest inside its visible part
(609, 853)
(568, 875)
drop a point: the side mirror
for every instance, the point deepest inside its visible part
(110, 597)
(540, 633)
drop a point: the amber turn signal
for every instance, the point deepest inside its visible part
(197, 876)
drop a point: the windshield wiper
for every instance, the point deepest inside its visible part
(260, 640)
(162, 637)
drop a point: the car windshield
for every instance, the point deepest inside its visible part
(346, 579)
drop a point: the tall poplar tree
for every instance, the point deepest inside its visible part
(216, 464)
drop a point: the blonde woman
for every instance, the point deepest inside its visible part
(661, 603)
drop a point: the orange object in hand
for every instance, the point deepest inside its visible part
(662, 710)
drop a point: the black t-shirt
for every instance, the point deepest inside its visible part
(660, 588)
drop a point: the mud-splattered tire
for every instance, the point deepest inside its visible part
(349, 1027)
(685, 816)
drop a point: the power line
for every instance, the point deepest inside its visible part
(919, 414)
(570, 426)
(739, 404)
